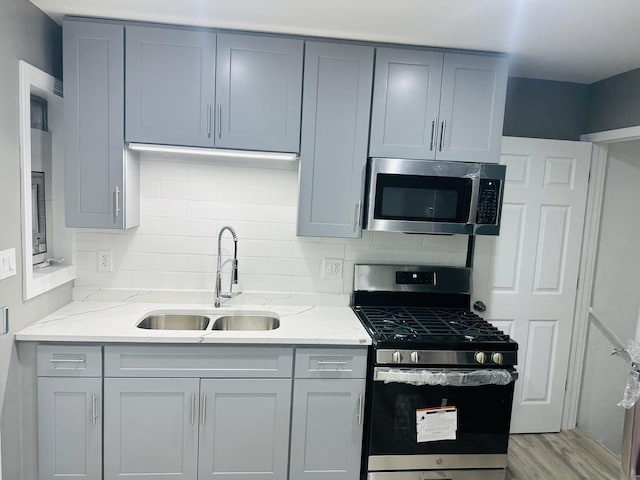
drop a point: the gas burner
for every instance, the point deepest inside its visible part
(404, 333)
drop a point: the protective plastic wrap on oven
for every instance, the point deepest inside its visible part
(461, 378)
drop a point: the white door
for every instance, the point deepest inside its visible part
(527, 277)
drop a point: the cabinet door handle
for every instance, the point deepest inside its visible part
(356, 217)
(219, 120)
(360, 409)
(193, 409)
(117, 195)
(433, 131)
(67, 360)
(209, 120)
(94, 412)
(204, 409)
(442, 130)
(323, 362)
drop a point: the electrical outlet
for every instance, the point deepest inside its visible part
(332, 268)
(7, 263)
(105, 261)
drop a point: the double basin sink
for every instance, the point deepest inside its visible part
(223, 321)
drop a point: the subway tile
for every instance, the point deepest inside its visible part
(310, 267)
(159, 244)
(159, 168)
(267, 248)
(163, 207)
(214, 210)
(266, 283)
(283, 231)
(311, 249)
(275, 213)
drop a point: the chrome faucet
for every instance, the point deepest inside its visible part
(234, 266)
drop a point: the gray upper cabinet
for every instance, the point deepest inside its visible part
(406, 102)
(432, 105)
(150, 428)
(258, 92)
(335, 131)
(70, 428)
(170, 77)
(101, 179)
(472, 107)
(245, 429)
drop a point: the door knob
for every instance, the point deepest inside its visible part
(479, 306)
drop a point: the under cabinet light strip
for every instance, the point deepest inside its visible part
(212, 152)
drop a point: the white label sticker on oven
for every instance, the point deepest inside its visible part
(433, 424)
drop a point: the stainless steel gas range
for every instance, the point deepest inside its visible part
(441, 379)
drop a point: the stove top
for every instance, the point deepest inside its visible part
(430, 327)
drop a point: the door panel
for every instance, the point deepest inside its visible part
(69, 436)
(244, 429)
(326, 434)
(528, 275)
(170, 86)
(472, 107)
(150, 428)
(259, 92)
(406, 100)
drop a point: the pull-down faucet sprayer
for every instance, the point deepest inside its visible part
(234, 266)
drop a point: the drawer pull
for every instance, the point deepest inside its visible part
(94, 412)
(67, 360)
(360, 410)
(204, 409)
(193, 409)
(322, 362)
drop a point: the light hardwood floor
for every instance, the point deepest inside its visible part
(568, 455)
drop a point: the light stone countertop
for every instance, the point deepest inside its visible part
(329, 323)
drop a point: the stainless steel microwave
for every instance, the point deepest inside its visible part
(431, 196)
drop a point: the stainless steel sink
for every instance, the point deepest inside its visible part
(179, 321)
(246, 322)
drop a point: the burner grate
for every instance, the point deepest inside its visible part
(426, 324)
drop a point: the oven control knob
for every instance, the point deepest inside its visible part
(481, 357)
(396, 357)
(414, 357)
(497, 358)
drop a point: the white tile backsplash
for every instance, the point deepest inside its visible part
(185, 202)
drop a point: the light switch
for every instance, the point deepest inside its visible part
(7, 263)
(4, 328)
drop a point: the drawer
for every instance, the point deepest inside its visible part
(331, 363)
(210, 361)
(69, 361)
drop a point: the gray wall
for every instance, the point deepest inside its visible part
(545, 109)
(25, 34)
(614, 102)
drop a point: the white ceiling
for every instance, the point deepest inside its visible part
(571, 40)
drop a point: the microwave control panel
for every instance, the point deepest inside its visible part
(488, 198)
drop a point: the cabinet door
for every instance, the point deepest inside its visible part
(472, 107)
(245, 429)
(335, 130)
(258, 92)
(150, 428)
(93, 64)
(170, 86)
(70, 428)
(406, 99)
(326, 429)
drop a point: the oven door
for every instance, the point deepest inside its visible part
(419, 196)
(457, 421)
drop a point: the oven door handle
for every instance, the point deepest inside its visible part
(453, 377)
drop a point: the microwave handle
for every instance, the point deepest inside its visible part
(473, 207)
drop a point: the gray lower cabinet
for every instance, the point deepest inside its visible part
(201, 412)
(245, 429)
(69, 428)
(101, 178)
(258, 92)
(434, 105)
(335, 132)
(326, 429)
(170, 77)
(150, 428)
